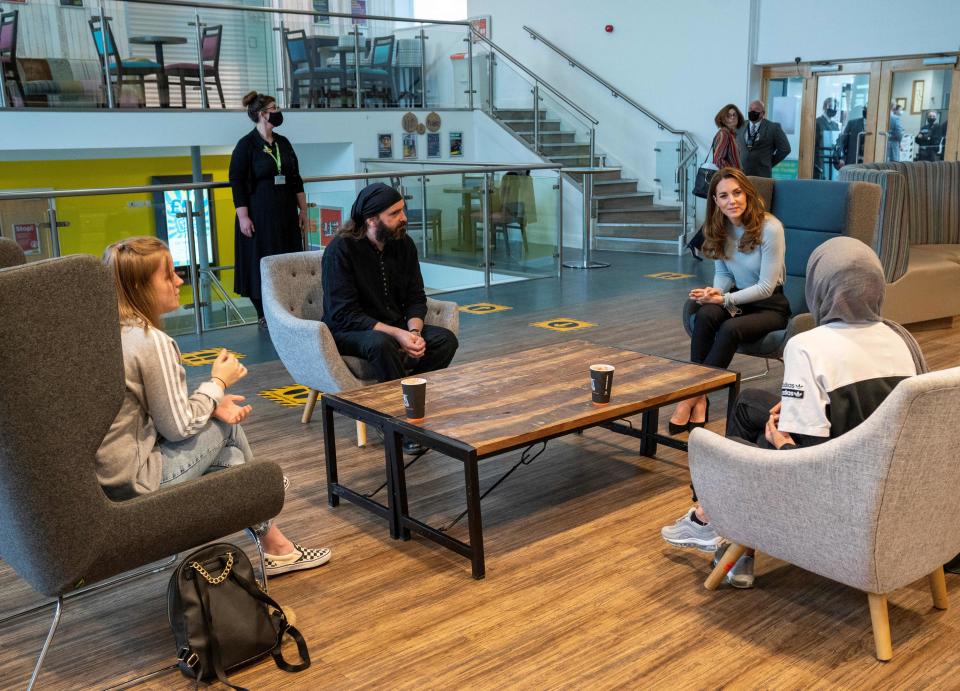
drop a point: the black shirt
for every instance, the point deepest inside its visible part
(363, 286)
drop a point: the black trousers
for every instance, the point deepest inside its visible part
(748, 421)
(717, 335)
(389, 360)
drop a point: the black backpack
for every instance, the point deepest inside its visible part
(221, 619)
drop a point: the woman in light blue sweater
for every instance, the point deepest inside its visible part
(163, 434)
(746, 301)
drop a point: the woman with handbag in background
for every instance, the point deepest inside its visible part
(725, 155)
(746, 300)
(163, 434)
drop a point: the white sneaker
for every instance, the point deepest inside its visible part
(686, 533)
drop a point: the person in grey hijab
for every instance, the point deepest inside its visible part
(834, 375)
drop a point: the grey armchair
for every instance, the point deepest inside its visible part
(11, 254)
(58, 530)
(293, 305)
(812, 211)
(856, 509)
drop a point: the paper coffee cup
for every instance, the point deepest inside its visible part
(414, 397)
(601, 382)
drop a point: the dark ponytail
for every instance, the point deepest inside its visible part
(255, 102)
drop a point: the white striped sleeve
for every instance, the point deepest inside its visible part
(176, 415)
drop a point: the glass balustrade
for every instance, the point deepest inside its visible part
(448, 212)
(153, 51)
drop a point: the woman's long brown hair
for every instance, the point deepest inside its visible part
(133, 263)
(716, 227)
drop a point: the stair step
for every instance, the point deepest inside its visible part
(645, 231)
(608, 187)
(576, 160)
(562, 136)
(518, 114)
(640, 244)
(565, 149)
(647, 214)
(615, 202)
(610, 174)
(524, 125)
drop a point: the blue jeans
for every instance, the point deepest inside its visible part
(216, 447)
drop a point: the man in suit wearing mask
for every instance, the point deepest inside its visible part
(849, 147)
(761, 142)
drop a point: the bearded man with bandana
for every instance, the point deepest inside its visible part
(373, 297)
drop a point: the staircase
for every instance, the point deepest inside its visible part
(627, 218)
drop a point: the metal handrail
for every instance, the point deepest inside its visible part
(617, 93)
(485, 164)
(534, 76)
(98, 191)
(310, 13)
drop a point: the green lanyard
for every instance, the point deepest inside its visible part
(274, 153)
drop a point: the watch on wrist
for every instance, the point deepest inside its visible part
(415, 331)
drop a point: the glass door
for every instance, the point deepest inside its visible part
(840, 127)
(920, 106)
(784, 97)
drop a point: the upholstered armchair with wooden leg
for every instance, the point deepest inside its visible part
(293, 306)
(873, 509)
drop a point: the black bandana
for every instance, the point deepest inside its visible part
(372, 200)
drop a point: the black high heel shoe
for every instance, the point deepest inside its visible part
(678, 429)
(706, 417)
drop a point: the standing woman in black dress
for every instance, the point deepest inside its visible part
(268, 195)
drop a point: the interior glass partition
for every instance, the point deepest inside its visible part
(152, 51)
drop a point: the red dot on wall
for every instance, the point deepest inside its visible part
(608, 28)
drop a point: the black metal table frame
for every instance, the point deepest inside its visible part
(396, 511)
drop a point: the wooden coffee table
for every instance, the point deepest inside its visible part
(492, 406)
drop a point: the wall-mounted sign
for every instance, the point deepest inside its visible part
(27, 236)
(330, 220)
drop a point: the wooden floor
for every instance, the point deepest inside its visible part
(580, 590)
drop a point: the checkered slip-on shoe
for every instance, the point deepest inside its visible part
(298, 560)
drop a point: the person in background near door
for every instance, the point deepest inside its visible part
(849, 147)
(268, 195)
(725, 153)
(930, 139)
(761, 142)
(894, 133)
(824, 144)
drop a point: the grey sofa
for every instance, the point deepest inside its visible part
(857, 509)
(11, 254)
(918, 236)
(293, 306)
(812, 212)
(58, 530)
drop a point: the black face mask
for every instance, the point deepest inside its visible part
(931, 120)
(275, 118)
(831, 112)
(753, 115)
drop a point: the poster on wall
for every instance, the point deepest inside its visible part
(321, 6)
(330, 219)
(359, 7)
(384, 146)
(409, 146)
(481, 25)
(28, 237)
(456, 144)
(433, 145)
